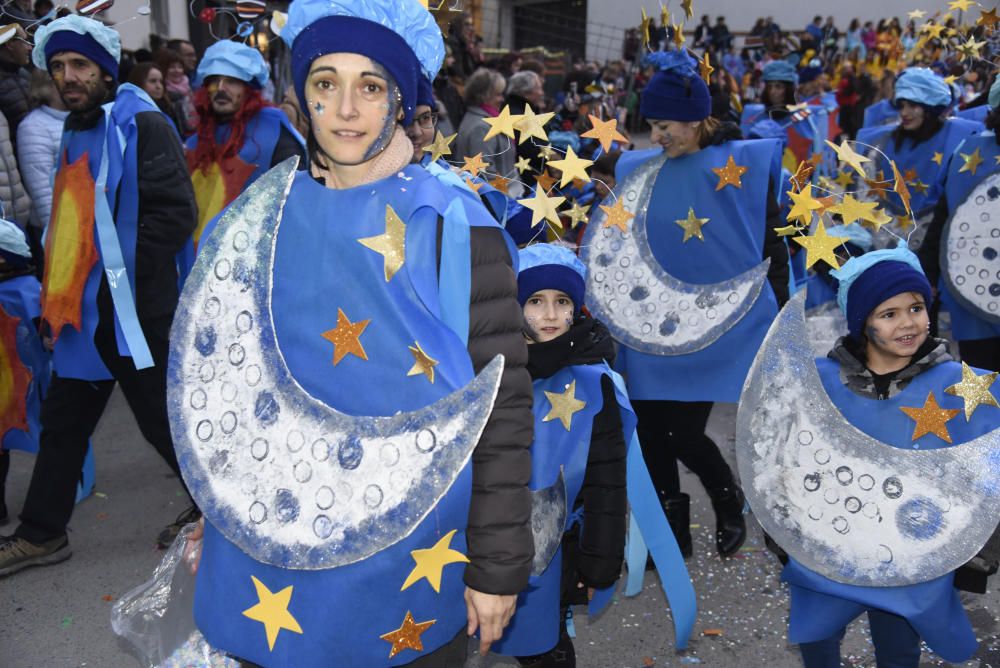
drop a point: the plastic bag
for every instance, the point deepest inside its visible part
(157, 617)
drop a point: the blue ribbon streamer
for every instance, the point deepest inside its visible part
(456, 270)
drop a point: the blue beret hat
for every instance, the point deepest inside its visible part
(922, 85)
(232, 59)
(780, 70)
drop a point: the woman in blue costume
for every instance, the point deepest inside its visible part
(701, 228)
(388, 290)
(975, 159)
(889, 361)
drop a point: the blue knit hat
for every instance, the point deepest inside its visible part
(811, 73)
(550, 267)
(780, 70)
(425, 91)
(232, 59)
(676, 92)
(79, 34)
(923, 86)
(869, 280)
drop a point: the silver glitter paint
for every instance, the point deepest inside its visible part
(642, 305)
(548, 522)
(287, 478)
(842, 503)
(970, 250)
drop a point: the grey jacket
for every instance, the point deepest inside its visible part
(499, 151)
(38, 139)
(13, 196)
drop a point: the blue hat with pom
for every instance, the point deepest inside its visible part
(676, 92)
(550, 267)
(922, 85)
(780, 70)
(232, 59)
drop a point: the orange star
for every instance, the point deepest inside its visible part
(475, 164)
(899, 187)
(545, 180)
(407, 636)
(346, 338)
(500, 183)
(988, 18)
(931, 418)
(604, 132)
(617, 216)
(802, 175)
(729, 175)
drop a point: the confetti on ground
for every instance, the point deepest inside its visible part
(108, 598)
(690, 659)
(100, 495)
(712, 632)
(102, 516)
(66, 622)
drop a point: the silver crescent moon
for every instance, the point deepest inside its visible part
(642, 305)
(842, 503)
(970, 251)
(285, 477)
(548, 522)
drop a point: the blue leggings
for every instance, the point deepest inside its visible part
(897, 645)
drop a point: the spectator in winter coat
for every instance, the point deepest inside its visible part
(14, 199)
(483, 98)
(15, 55)
(148, 77)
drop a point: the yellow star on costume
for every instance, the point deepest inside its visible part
(960, 5)
(391, 244)
(972, 162)
(937, 158)
(820, 246)
(502, 124)
(729, 174)
(576, 214)
(422, 364)
(473, 185)
(996, 159)
(916, 14)
(970, 49)
(879, 219)
(851, 210)
(440, 146)
(271, 610)
(564, 405)
(848, 156)
(500, 183)
(572, 167)
(931, 418)
(692, 225)
(346, 338)
(543, 206)
(617, 215)
(844, 179)
(532, 125)
(803, 205)
(899, 186)
(988, 18)
(475, 164)
(430, 562)
(686, 5)
(919, 187)
(407, 636)
(974, 389)
(706, 69)
(523, 165)
(605, 132)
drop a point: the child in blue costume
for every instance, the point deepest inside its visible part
(578, 434)
(975, 159)
(887, 361)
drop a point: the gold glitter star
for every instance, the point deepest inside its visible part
(576, 214)
(988, 18)
(523, 165)
(572, 167)
(686, 5)
(692, 225)
(502, 124)
(972, 162)
(391, 244)
(729, 174)
(271, 610)
(848, 156)
(970, 49)
(617, 215)
(564, 405)
(543, 206)
(803, 205)
(679, 35)
(545, 181)
(645, 27)
(879, 219)
(430, 562)
(422, 364)
(820, 246)
(531, 125)
(974, 389)
(440, 146)
(475, 164)
(937, 157)
(664, 17)
(706, 69)
(899, 187)
(605, 132)
(346, 338)
(844, 179)
(960, 5)
(500, 183)
(931, 418)
(851, 210)
(407, 636)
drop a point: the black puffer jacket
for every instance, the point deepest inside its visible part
(594, 555)
(15, 81)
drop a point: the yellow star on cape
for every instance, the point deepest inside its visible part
(879, 219)
(430, 562)
(996, 159)
(692, 225)
(706, 69)
(960, 5)
(931, 418)
(407, 636)
(803, 205)
(844, 179)
(919, 187)
(820, 246)
(271, 610)
(545, 181)
(502, 124)
(474, 186)
(543, 206)
(475, 164)
(564, 405)
(916, 14)
(391, 244)
(605, 132)
(686, 5)
(500, 183)
(346, 338)
(531, 125)
(572, 167)
(440, 146)
(988, 18)
(974, 389)
(577, 214)
(972, 162)
(899, 187)
(523, 165)
(848, 156)
(851, 210)
(422, 364)
(729, 174)
(970, 49)
(679, 35)
(617, 215)
(937, 157)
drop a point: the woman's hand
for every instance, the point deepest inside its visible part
(490, 613)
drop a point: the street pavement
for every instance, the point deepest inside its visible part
(59, 616)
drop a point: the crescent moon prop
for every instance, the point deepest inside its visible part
(288, 479)
(842, 503)
(970, 254)
(642, 305)
(548, 522)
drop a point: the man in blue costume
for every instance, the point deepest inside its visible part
(122, 208)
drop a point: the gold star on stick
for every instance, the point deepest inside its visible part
(576, 214)
(960, 5)
(547, 152)
(844, 179)
(679, 35)
(545, 181)
(706, 69)
(974, 389)
(692, 225)
(271, 610)
(440, 146)
(933, 30)
(391, 244)
(970, 49)
(346, 338)
(543, 206)
(820, 246)
(931, 418)
(523, 165)
(422, 364)
(729, 174)
(848, 156)
(500, 183)
(899, 187)
(407, 636)
(645, 27)
(430, 562)
(664, 17)
(972, 162)
(605, 132)
(988, 18)
(617, 215)
(879, 219)
(564, 405)
(531, 125)
(851, 210)
(916, 14)
(686, 5)
(803, 205)
(502, 124)
(475, 164)
(572, 167)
